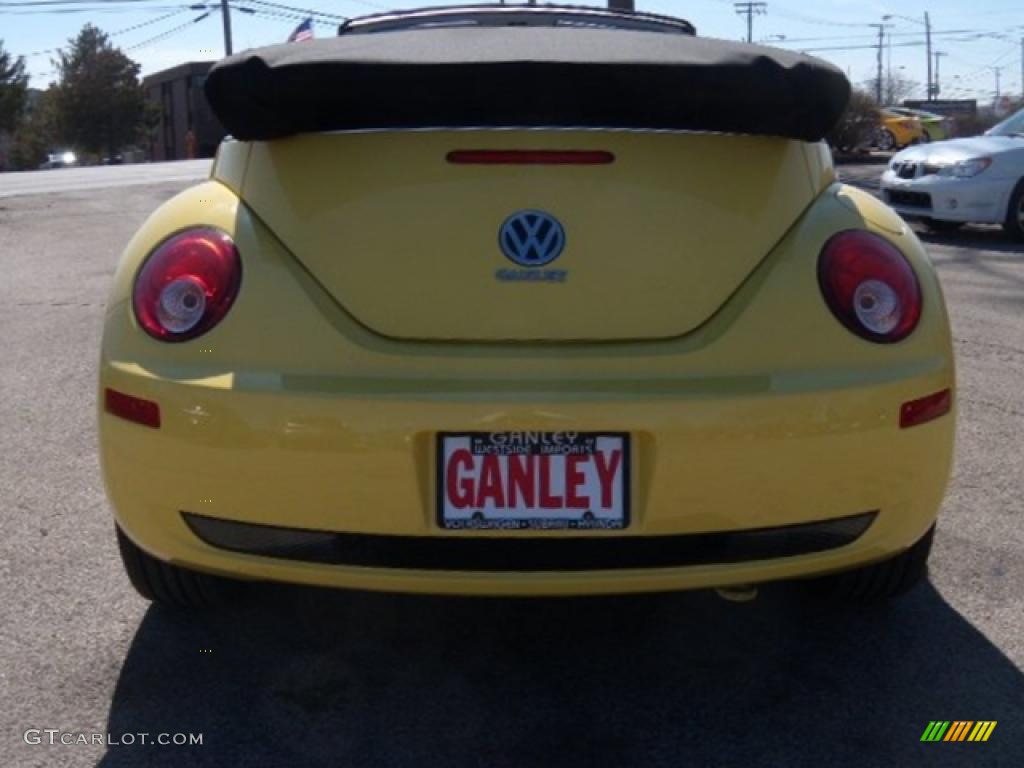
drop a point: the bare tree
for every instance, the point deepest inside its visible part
(857, 125)
(895, 88)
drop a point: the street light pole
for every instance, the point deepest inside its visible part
(928, 53)
(930, 87)
(225, 12)
(936, 88)
(888, 57)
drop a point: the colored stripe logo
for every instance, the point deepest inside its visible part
(958, 730)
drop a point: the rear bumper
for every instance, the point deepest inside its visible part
(730, 490)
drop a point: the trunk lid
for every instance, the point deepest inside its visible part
(411, 245)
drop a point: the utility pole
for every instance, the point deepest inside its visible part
(997, 70)
(928, 52)
(936, 88)
(881, 47)
(750, 10)
(888, 57)
(930, 89)
(225, 12)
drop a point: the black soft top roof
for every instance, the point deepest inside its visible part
(525, 76)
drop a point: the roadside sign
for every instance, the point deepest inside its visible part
(946, 107)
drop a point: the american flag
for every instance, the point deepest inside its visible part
(302, 32)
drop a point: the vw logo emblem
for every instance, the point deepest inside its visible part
(531, 238)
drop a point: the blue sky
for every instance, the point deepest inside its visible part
(974, 36)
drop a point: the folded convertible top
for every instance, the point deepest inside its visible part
(525, 77)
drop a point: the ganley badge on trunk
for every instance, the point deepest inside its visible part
(532, 239)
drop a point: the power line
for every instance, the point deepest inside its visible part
(984, 68)
(377, 6)
(142, 24)
(288, 16)
(294, 9)
(82, 9)
(142, 44)
(787, 14)
(47, 3)
(874, 47)
(168, 33)
(871, 36)
(135, 6)
(126, 30)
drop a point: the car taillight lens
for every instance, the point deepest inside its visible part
(187, 285)
(869, 286)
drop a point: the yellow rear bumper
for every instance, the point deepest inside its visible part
(366, 465)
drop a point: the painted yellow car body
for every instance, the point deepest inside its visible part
(905, 129)
(291, 412)
(934, 127)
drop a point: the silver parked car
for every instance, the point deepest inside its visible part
(951, 183)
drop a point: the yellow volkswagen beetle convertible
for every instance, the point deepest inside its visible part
(524, 300)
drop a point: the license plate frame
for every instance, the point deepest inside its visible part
(589, 443)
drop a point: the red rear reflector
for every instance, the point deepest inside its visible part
(529, 157)
(144, 412)
(924, 409)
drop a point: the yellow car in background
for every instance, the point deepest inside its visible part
(898, 130)
(490, 321)
(933, 127)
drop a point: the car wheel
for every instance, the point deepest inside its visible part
(170, 585)
(886, 141)
(880, 581)
(1014, 224)
(937, 225)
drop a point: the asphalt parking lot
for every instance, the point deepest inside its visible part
(301, 677)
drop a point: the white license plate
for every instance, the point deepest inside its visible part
(539, 480)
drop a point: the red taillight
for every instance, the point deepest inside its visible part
(530, 157)
(144, 412)
(869, 286)
(187, 285)
(925, 409)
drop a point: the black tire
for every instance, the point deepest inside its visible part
(1014, 223)
(936, 225)
(885, 141)
(168, 584)
(881, 581)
